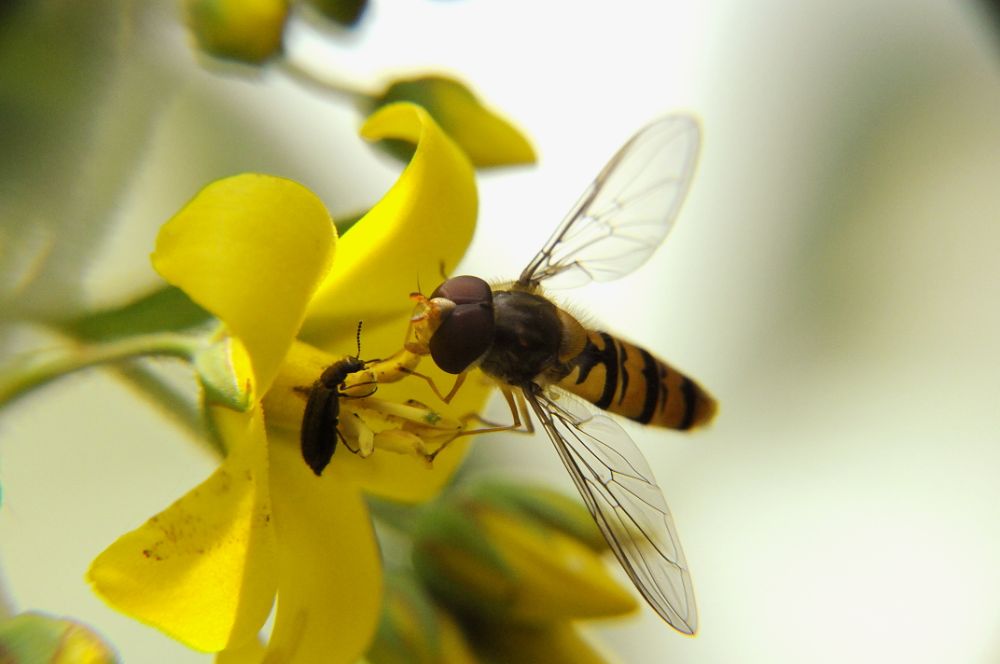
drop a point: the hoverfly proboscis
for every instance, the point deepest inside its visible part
(534, 349)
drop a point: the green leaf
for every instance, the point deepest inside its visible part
(485, 137)
(167, 309)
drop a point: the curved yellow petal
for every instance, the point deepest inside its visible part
(421, 226)
(203, 570)
(485, 136)
(251, 249)
(330, 575)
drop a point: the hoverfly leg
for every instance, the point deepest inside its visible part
(459, 379)
(446, 398)
(476, 417)
(518, 410)
(393, 368)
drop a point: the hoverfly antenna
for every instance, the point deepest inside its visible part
(358, 338)
(444, 273)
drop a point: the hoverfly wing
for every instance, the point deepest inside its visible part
(618, 488)
(626, 212)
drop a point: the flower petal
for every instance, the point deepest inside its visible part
(421, 226)
(251, 249)
(203, 570)
(330, 576)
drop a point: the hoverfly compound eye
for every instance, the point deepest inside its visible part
(465, 290)
(466, 332)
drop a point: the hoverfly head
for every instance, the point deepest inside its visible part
(464, 328)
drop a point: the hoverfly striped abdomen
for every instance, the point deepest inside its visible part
(628, 380)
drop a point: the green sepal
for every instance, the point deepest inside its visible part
(219, 378)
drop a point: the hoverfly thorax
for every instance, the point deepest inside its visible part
(527, 339)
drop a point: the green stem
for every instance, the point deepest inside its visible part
(37, 369)
(325, 83)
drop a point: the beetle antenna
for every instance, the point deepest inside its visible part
(358, 338)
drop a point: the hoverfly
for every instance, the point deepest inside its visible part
(534, 349)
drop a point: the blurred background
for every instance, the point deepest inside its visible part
(833, 280)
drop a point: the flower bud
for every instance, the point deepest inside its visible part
(557, 643)
(37, 638)
(547, 506)
(245, 30)
(413, 630)
(503, 565)
(224, 372)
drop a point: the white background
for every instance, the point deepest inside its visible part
(833, 280)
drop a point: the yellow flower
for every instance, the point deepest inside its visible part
(257, 252)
